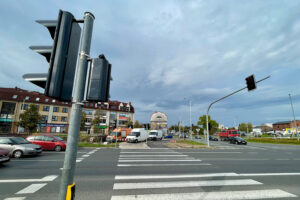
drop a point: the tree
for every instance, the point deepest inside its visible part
(250, 127)
(82, 122)
(245, 127)
(213, 124)
(129, 122)
(97, 120)
(137, 124)
(30, 118)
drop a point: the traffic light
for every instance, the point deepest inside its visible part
(99, 80)
(251, 83)
(62, 57)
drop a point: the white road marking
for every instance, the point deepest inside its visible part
(228, 195)
(98, 148)
(15, 198)
(46, 178)
(153, 165)
(271, 174)
(85, 156)
(128, 177)
(31, 188)
(181, 184)
(78, 160)
(210, 152)
(129, 156)
(124, 152)
(159, 160)
(37, 160)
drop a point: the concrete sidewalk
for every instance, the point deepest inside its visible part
(140, 145)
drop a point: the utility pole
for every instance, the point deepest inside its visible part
(191, 130)
(295, 124)
(73, 133)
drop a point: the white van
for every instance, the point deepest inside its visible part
(137, 135)
(155, 135)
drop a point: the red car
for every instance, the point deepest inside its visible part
(4, 155)
(48, 142)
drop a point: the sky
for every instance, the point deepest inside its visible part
(166, 54)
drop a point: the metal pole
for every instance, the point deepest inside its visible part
(207, 128)
(191, 119)
(295, 124)
(74, 128)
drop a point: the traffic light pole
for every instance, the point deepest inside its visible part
(207, 128)
(74, 127)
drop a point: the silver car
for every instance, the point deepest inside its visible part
(18, 146)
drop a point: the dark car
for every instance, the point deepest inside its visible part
(212, 138)
(169, 136)
(48, 142)
(4, 156)
(238, 140)
(197, 137)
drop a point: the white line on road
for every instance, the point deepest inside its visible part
(46, 178)
(125, 177)
(159, 160)
(15, 198)
(78, 160)
(85, 156)
(271, 174)
(31, 188)
(228, 195)
(181, 184)
(129, 156)
(159, 165)
(37, 160)
(210, 152)
(124, 152)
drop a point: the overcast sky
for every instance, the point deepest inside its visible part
(164, 53)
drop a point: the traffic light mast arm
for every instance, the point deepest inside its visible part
(207, 129)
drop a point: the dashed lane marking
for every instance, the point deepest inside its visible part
(31, 188)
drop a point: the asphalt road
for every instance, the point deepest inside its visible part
(254, 171)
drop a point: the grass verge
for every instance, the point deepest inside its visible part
(83, 144)
(190, 142)
(274, 141)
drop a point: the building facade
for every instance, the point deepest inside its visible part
(56, 114)
(159, 121)
(280, 126)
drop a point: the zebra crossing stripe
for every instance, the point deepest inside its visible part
(129, 156)
(181, 184)
(31, 188)
(156, 165)
(194, 160)
(228, 195)
(128, 177)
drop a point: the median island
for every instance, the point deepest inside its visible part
(185, 144)
(292, 141)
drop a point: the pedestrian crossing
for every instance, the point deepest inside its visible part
(183, 186)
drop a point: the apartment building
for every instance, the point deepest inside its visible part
(56, 114)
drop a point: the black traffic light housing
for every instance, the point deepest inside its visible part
(62, 57)
(99, 80)
(251, 83)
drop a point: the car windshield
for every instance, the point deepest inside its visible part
(153, 133)
(134, 133)
(20, 141)
(58, 138)
(115, 133)
(238, 138)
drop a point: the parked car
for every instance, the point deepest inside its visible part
(19, 147)
(197, 137)
(4, 156)
(48, 142)
(238, 140)
(184, 135)
(169, 136)
(212, 138)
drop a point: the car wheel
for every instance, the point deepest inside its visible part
(57, 148)
(136, 141)
(18, 154)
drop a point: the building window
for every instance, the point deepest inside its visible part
(46, 100)
(7, 109)
(113, 107)
(37, 99)
(37, 107)
(65, 110)
(44, 118)
(15, 96)
(64, 119)
(46, 108)
(55, 109)
(24, 107)
(54, 118)
(27, 98)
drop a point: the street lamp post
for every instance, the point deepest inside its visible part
(295, 124)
